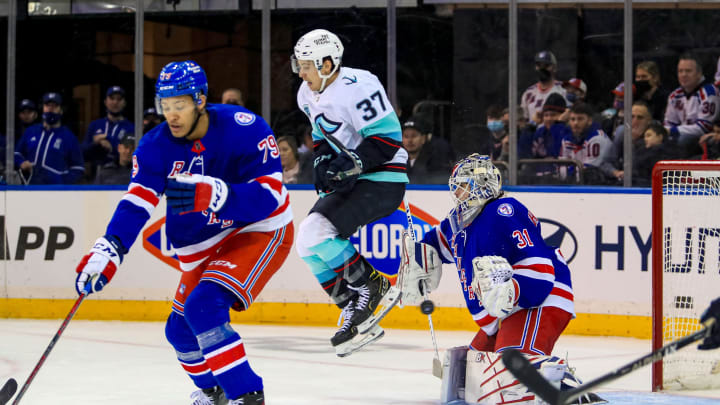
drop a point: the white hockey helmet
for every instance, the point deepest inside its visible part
(474, 181)
(315, 46)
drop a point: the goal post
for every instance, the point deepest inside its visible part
(685, 268)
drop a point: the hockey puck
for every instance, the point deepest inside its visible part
(427, 307)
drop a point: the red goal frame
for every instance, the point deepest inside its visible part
(657, 251)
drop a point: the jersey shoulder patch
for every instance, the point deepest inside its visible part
(243, 118)
(505, 210)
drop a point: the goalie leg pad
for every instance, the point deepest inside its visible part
(453, 376)
(488, 382)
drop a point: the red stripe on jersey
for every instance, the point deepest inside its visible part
(441, 238)
(274, 184)
(485, 320)
(144, 194)
(562, 293)
(227, 356)
(538, 267)
(281, 208)
(198, 368)
(385, 142)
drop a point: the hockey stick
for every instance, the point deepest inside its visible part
(7, 391)
(527, 374)
(49, 348)
(340, 148)
(427, 305)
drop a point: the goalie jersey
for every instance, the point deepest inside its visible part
(239, 148)
(506, 228)
(355, 109)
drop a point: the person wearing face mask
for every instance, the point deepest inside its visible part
(649, 89)
(499, 141)
(533, 98)
(48, 152)
(104, 134)
(151, 119)
(612, 118)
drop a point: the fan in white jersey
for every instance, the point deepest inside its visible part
(360, 172)
(533, 98)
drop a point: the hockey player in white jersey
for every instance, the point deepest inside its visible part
(360, 172)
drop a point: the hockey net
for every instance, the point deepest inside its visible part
(686, 268)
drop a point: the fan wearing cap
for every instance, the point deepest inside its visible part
(27, 115)
(119, 171)
(533, 98)
(576, 91)
(151, 119)
(103, 135)
(426, 163)
(49, 153)
(547, 140)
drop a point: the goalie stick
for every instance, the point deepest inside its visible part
(12, 384)
(527, 374)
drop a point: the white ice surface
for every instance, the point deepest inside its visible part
(131, 363)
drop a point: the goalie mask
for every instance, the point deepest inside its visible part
(474, 181)
(315, 46)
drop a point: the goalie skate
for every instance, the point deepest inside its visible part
(388, 302)
(359, 341)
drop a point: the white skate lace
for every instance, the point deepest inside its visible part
(200, 398)
(345, 316)
(363, 296)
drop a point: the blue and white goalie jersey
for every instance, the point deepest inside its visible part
(355, 109)
(506, 228)
(239, 148)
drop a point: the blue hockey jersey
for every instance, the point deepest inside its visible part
(506, 228)
(239, 148)
(55, 155)
(115, 131)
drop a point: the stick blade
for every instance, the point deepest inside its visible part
(7, 391)
(437, 369)
(527, 374)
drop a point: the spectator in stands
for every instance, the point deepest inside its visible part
(655, 148)
(524, 132)
(613, 117)
(589, 145)
(498, 144)
(306, 141)
(576, 91)
(103, 135)
(533, 98)
(547, 140)
(710, 143)
(641, 118)
(295, 171)
(27, 116)
(648, 88)
(426, 164)
(692, 107)
(119, 170)
(49, 153)
(151, 119)
(232, 96)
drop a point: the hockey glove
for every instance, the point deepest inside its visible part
(713, 312)
(419, 263)
(195, 192)
(320, 166)
(493, 278)
(98, 267)
(343, 171)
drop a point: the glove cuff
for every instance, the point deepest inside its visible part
(110, 247)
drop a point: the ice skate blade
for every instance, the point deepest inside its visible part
(391, 298)
(359, 341)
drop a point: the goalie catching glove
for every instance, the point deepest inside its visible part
(420, 263)
(195, 192)
(99, 266)
(493, 278)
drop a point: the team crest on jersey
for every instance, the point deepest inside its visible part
(244, 118)
(505, 210)
(325, 125)
(306, 108)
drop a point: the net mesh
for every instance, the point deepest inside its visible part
(690, 271)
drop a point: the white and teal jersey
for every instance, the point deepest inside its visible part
(355, 109)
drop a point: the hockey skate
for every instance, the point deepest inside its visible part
(209, 396)
(251, 398)
(347, 340)
(377, 290)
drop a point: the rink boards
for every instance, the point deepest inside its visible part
(603, 233)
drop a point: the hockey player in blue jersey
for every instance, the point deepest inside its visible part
(516, 287)
(228, 218)
(360, 172)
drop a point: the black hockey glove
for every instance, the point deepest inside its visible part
(343, 171)
(713, 312)
(320, 167)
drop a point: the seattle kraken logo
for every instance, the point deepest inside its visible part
(325, 125)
